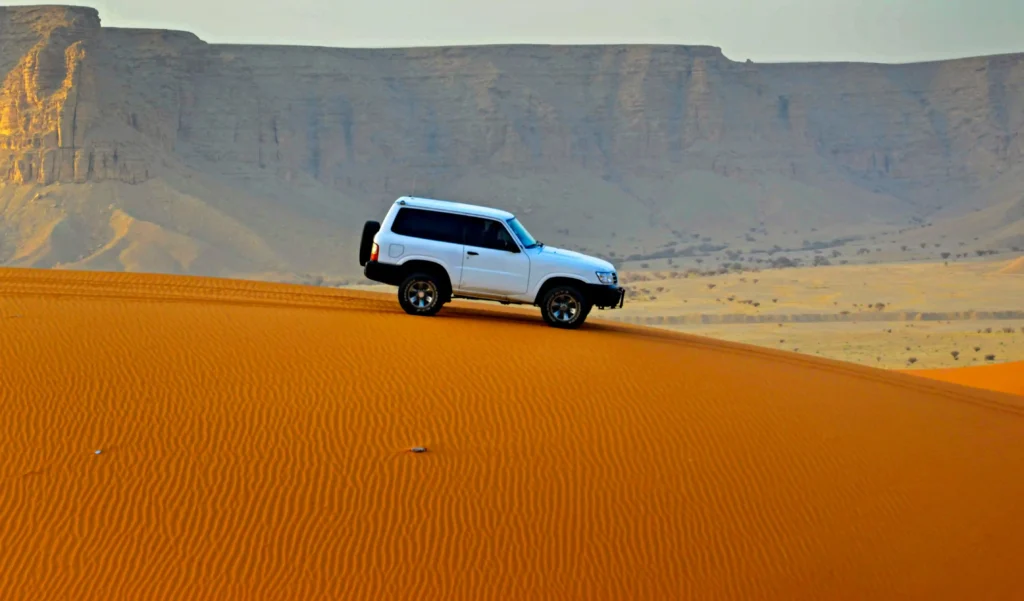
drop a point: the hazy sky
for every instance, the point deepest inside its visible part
(765, 30)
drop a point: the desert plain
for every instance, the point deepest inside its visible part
(194, 438)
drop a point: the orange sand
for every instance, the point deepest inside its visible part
(254, 439)
(1002, 377)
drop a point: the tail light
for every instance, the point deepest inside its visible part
(374, 252)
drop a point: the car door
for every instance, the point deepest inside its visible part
(493, 264)
(428, 235)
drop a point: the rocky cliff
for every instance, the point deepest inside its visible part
(268, 158)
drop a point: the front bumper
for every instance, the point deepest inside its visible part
(607, 297)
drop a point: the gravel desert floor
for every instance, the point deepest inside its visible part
(190, 438)
(896, 316)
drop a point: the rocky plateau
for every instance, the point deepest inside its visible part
(150, 150)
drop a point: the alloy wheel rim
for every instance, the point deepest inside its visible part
(421, 294)
(564, 307)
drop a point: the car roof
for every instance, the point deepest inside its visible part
(454, 207)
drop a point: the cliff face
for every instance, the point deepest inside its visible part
(614, 131)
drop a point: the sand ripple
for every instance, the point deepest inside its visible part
(254, 446)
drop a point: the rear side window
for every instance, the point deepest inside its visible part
(429, 225)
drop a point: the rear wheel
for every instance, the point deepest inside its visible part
(564, 307)
(370, 229)
(421, 294)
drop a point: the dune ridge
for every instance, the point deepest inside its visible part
(1014, 267)
(1002, 377)
(255, 440)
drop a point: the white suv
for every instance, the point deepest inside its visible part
(435, 250)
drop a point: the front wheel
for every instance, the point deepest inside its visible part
(564, 307)
(420, 294)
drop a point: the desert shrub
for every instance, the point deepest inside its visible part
(956, 355)
(990, 357)
(783, 262)
(912, 360)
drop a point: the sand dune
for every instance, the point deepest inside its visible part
(254, 446)
(1014, 267)
(1002, 377)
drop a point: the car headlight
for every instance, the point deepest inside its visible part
(607, 277)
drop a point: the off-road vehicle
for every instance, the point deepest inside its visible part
(436, 250)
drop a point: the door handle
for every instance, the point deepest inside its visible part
(473, 253)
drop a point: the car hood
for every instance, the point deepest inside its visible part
(571, 257)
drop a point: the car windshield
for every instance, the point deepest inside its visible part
(521, 233)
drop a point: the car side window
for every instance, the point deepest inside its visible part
(429, 225)
(489, 233)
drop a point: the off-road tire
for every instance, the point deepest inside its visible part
(564, 307)
(422, 294)
(370, 229)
